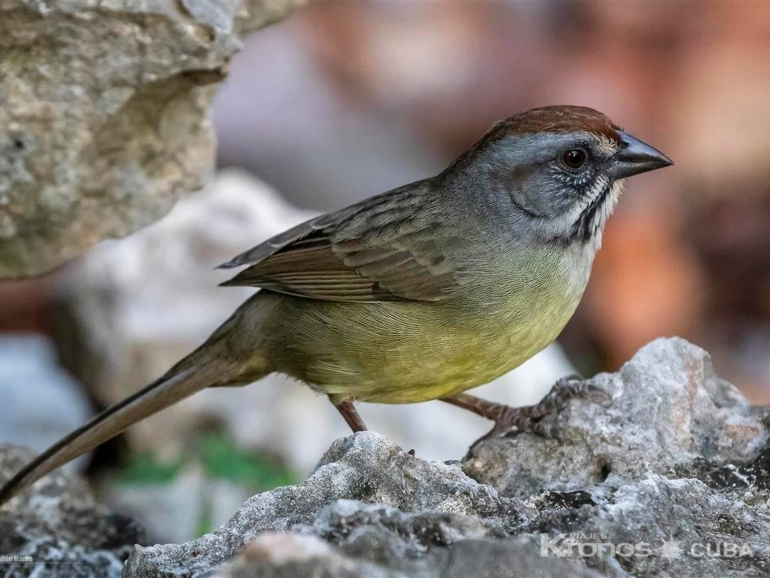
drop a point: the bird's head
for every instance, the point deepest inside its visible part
(560, 168)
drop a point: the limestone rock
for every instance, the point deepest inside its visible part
(105, 115)
(274, 555)
(279, 555)
(416, 512)
(674, 482)
(56, 529)
(669, 412)
(658, 526)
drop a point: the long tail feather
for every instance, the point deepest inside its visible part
(180, 382)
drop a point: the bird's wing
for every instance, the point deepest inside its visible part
(387, 248)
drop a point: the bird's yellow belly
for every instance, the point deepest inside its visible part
(455, 361)
(414, 352)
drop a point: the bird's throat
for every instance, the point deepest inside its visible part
(590, 223)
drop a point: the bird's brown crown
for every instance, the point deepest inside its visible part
(558, 119)
(548, 119)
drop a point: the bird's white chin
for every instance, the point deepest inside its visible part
(616, 189)
(590, 215)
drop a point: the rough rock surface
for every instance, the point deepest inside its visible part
(669, 412)
(674, 482)
(372, 555)
(55, 529)
(104, 118)
(386, 511)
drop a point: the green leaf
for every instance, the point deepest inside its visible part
(145, 468)
(222, 458)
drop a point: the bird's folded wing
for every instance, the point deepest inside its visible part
(391, 247)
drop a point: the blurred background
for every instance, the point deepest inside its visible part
(348, 99)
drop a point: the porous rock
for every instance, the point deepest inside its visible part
(56, 529)
(292, 555)
(365, 468)
(669, 412)
(657, 525)
(105, 115)
(674, 482)
(371, 509)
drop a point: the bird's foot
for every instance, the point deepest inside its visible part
(513, 421)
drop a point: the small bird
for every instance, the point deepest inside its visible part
(419, 293)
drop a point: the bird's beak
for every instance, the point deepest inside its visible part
(635, 157)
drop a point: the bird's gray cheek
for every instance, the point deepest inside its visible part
(525, 192)
(515, 182)
(549, 196)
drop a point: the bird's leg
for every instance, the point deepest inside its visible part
(488, 409)
(510, 420)
(349, 412)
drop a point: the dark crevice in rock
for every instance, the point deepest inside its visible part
(735, 477)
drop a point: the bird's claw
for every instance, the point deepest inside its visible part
(574, 386)
(515, 421)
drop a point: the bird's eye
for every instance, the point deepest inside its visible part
(574, 158)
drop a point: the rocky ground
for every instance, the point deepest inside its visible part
(105, 117)
(58, 529)
(670, 480)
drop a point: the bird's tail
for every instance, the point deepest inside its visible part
(194, 373)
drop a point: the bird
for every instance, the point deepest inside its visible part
(420, 293)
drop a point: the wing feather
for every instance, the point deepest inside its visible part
(391, 247)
